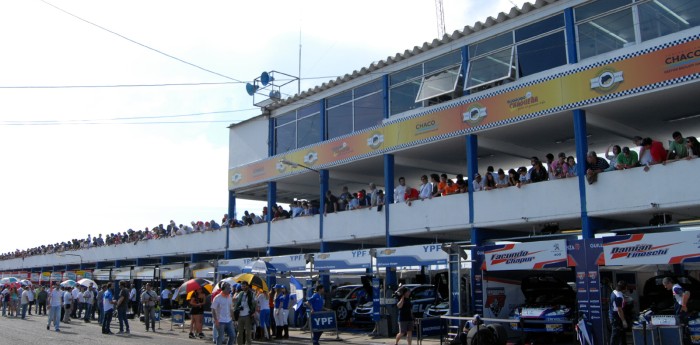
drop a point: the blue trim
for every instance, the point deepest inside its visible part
(570, 30)
(580, 134)
(117, 264)
(465, 66)
(472, 169)
(385, 95)
(271, 137)
(388, 193)
(271, 201)
(324, 177)
(231, 211)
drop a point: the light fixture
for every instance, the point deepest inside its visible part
(669, 11)
(683, 118)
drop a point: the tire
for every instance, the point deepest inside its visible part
(342, 313)
(484, 336)
(500, 332)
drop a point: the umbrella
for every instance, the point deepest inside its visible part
(220, 284)
(252, 280)
(86, 282)
(261, 267)
(9, 280)
(25, 282)
(192, 285)
(69, 283)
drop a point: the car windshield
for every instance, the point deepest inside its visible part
(342, 292)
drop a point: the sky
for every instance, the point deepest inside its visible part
(86, 148)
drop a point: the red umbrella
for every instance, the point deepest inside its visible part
(188, 287)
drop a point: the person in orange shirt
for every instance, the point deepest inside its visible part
(450, 188)
(442, 184)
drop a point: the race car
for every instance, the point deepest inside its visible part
(549, 306)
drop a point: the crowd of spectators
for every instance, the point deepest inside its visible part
(645, 153)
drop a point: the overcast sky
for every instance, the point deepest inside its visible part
(79, 161)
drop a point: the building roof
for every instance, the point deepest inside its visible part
(427, 46)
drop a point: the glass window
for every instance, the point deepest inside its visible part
(286, 118)
(490, 45)
(605, 34)
(308, 110)
(309, 130)
(339, 120)
(368, 88)
(491, 68)
(438, 84)
(406, 74)
(369, 111)
(541, 27)
(285, 138)
(662, 17)
(541, 54)
(441, 62)
(599, 7)
(403, 98)
(339, 99)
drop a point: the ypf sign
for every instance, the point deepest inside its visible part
(322, 321)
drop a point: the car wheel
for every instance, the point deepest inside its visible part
(481, 336)
(500, 332)
(342, 313)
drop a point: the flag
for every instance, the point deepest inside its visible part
(296, 291)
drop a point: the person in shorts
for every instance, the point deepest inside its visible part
(405, 315)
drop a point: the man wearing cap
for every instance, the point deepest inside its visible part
(245, 302)
(54, 301)
(221, 312)
(149, 299)
(281, 311)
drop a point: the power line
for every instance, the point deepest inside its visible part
(116, 123)
(143, 45)
(87, 121)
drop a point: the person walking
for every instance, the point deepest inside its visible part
(41, 299)
(122, 306)
(107, 308)
(30, 298)
(149, 298)
(405, 315)
(221, 312)
(24, 300)
(245, 302)
(54, 301)
(88, 299)
(67, 303)
(100, 303)
(133, 297)
(315, 304)
(263, 305)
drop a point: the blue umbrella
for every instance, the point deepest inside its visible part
(69, 283)
(260, 267)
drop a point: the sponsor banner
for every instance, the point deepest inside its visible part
(652, 249)
(501, 296)
(208, 320)
(321, 321)
(581, 83)
(421, 255)
(69, 275)
(56, 276)
(233, 266)
(477, 280)
(83, 274)
(287, 263)
(376, 303)
(360, 258)
(177, 317)
(34, 277)
(45, 277)
(432, 326)
(525, 256)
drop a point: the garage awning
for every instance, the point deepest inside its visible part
(421, 255)
(678, 247)
(360, 258)
(525, 256)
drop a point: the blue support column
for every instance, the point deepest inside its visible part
(472, 169)
(324, 178)
(581, 136)
(476, 304)
(231, 213)
(570, 30)
(271, 201)
(117, 263)
(271, 137)
(389, 198)
(324, 120)
(465, 64)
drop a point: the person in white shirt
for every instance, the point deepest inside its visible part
(133, 295)
(165, 299)
(425, 191)
(88, 298)
(221, 312)
(107, 307)
(24, 301)
(74, 305)
(54, 302)
(80, 303)
(30, 298)
(245, 302)
(400, 191)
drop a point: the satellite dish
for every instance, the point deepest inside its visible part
(250, 88)
(274, 94)
(266, 78)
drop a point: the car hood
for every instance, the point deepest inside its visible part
(545, 290)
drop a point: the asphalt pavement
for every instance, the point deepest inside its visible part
(33, 331)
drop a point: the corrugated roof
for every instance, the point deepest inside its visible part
(447, 38)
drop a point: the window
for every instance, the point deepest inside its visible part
(515, 54)
(435, 79)
(355, 110)
(607, 33)
(298, 128)
(662, 17)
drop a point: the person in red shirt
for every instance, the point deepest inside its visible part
(657, 150)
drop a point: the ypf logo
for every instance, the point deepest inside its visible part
(388, 251)
(475, 114)
(281, 167)
(376, 140)
(323, 256)
(581, 275)
(311, 157)
(607, 80)
(592, 275)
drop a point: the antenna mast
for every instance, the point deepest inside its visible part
(440, 14)
(299, 74)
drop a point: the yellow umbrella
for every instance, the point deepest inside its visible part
(252, 280)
